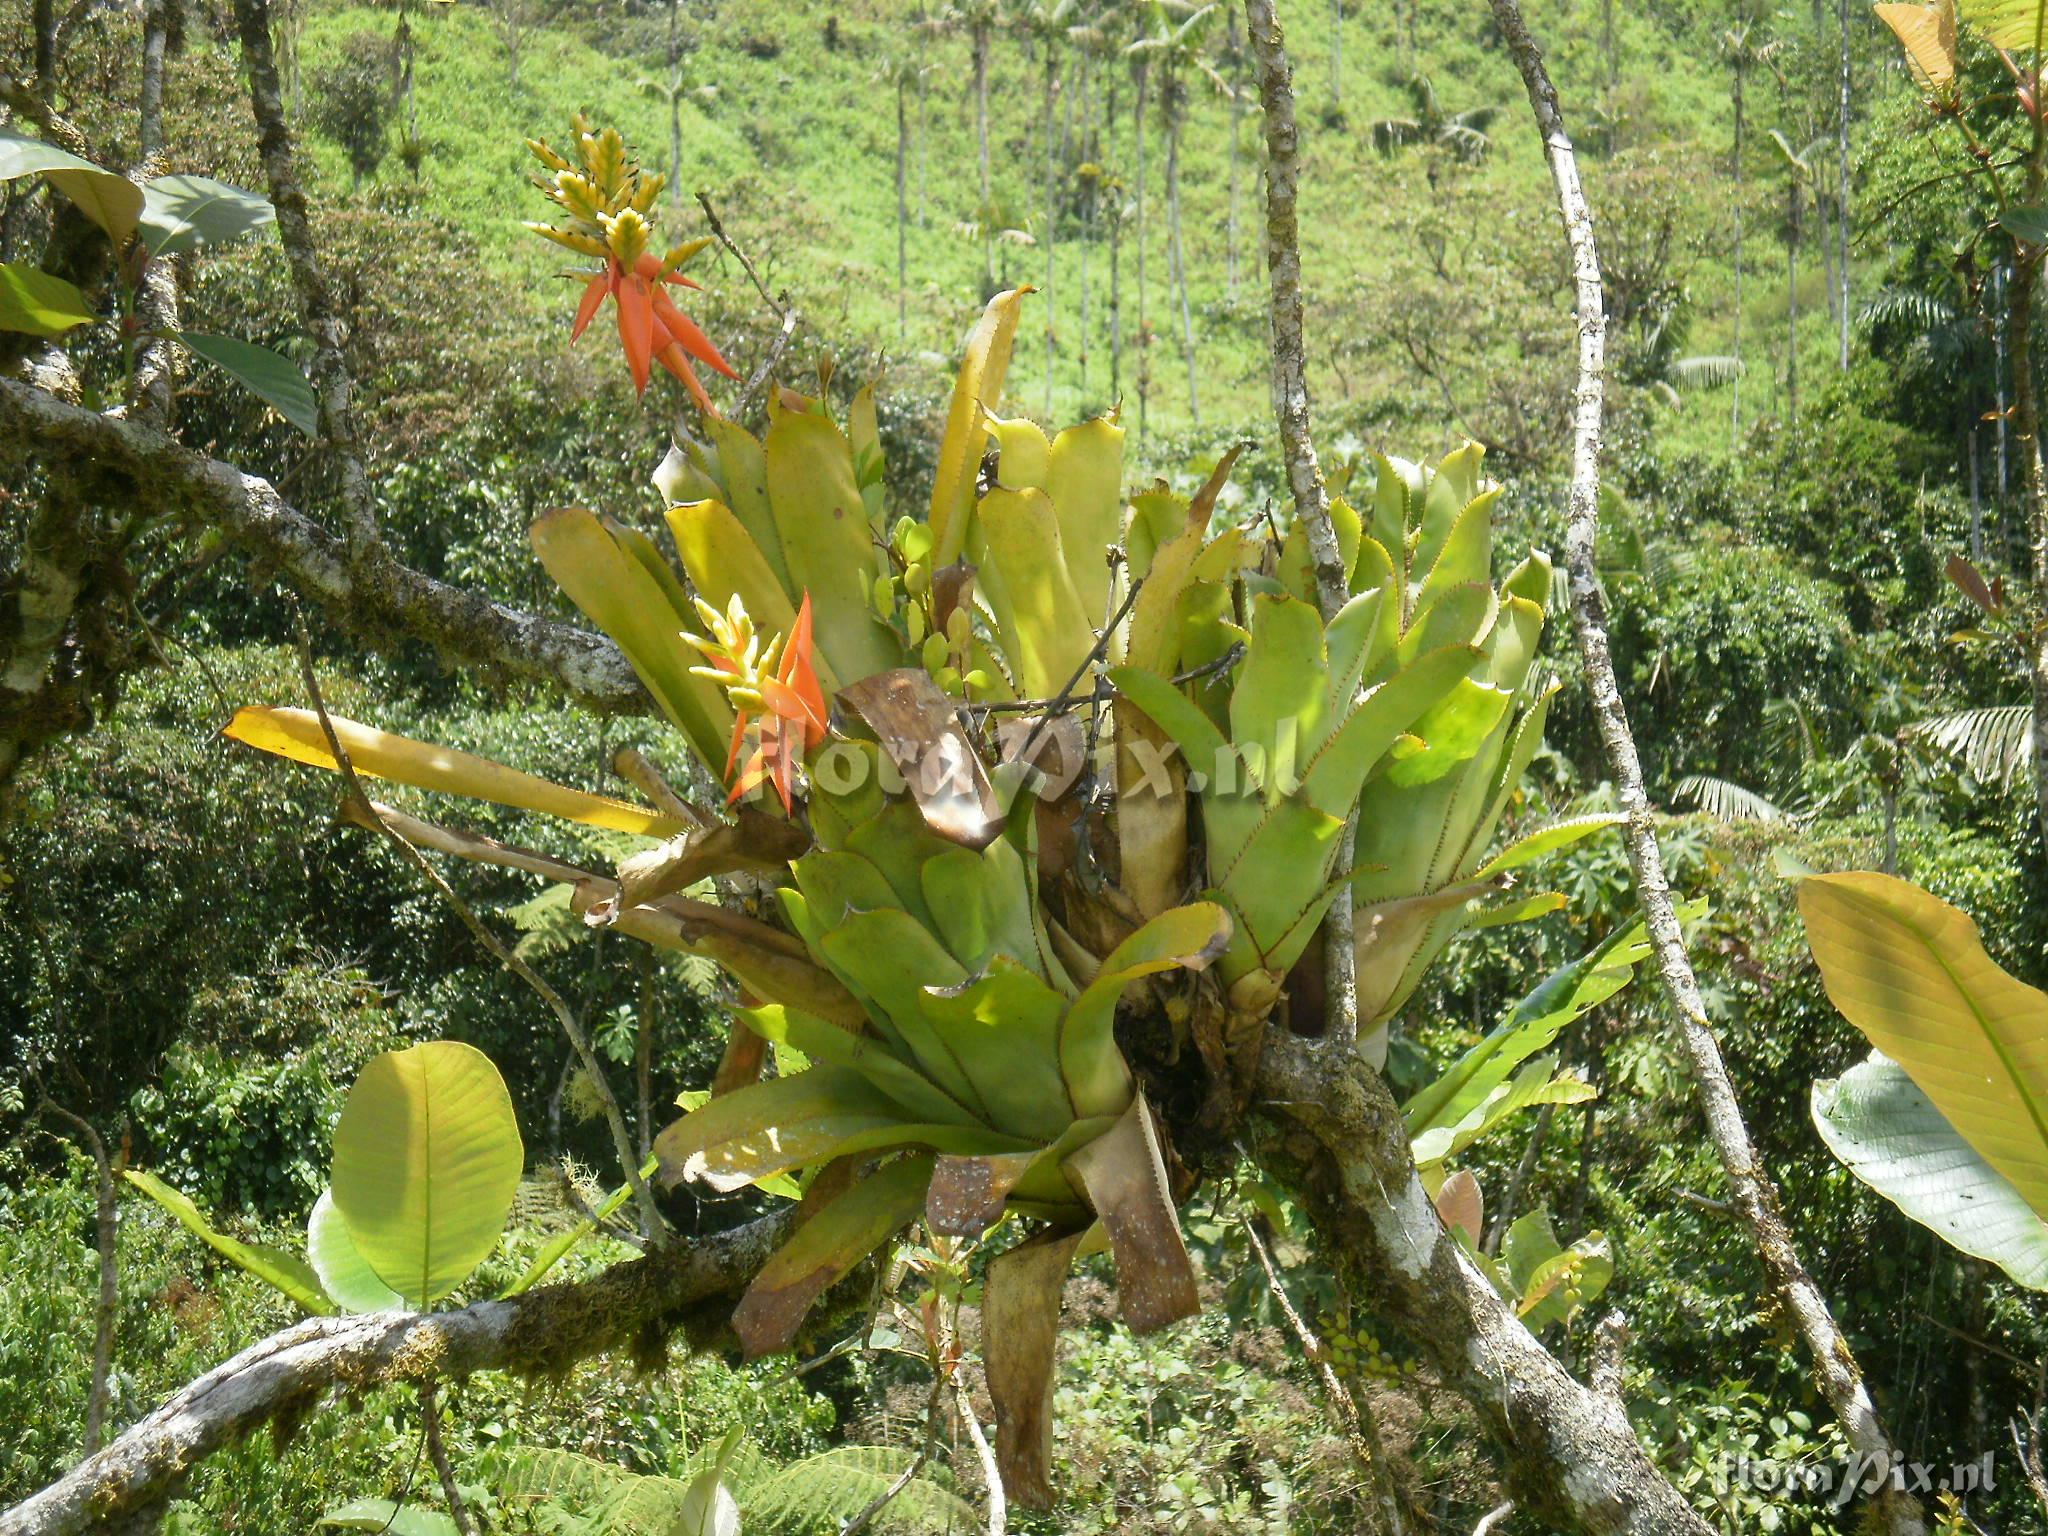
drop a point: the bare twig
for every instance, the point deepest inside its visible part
(1493, 1519)
(991, 1474)
(1304, 474)
(430, 1414)
(1355, 1417)
(651, 1219)
(1755, 1196)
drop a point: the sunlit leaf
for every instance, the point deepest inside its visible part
(274, 380)
(34, 303)
(287, 1272)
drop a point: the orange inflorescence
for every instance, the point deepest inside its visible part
(610, 203)
(780, 703)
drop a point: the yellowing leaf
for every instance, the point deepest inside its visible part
(1908, 970)
(296, 734)
(1928, 35)
(977, 391)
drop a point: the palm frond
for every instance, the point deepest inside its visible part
(1706, 371)
(1727, 801)
(1994, 744)
(1908, 307)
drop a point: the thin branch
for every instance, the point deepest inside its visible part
(1304, 474)
(131, 464)
(651, 1220)
(1355, 1417)
(1755, 1196)
(430, 1413)
(317, 306)
(1493, 1519)
(991, 1474)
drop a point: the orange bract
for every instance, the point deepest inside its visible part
(793, 724)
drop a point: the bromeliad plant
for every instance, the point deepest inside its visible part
(984, 882)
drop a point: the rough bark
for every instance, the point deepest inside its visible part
(1570, 1459)
(284, 1378)
(1297, 445)
(1755, 1197)
(128, 464)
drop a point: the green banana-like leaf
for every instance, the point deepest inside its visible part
(1538, 1082)
(1888, 1133)
(286, 1271)
(598, 566)
(771, 1127)
(2015, 25)
(344, 1274)
(918, 1095)
(427, 1158)
(1548, 840)
(825, 1248)
(1909, 970)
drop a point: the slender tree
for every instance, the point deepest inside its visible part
(980, 18)
(1842, 190)
(1141, 78)
(1740, 45)
(904, 74)
(1045, 26)
(1233, 60)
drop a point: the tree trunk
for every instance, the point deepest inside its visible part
(988, 217)
(1336, 52)
(1180, 266)
(1792, 297)
(1754, 1196)
(1842, 199)
(1116, 241)
(1236, 125)
(923, 93)
(1735, 385)
(1051, 218)
(902, 211)
(1144, 326)
(675, 98)
(2026, 273)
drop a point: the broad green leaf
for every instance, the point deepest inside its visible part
(21, 155)
(427, 1158)
(708, 1507)
(1047, 632)
(918, 1095)
(180, 213)
(975, 392)
(889, 956)
(557, 1247)
(1450, 733)
(1281, 696)
(607, 580)
(274, 380)
(1889, 1134)
(2015, 25)
(771, 1127)
(1909, 971)
(1537, 1083)
(744, 472)
(1085, 481)
(375, 754)
(113, 202)
(1005, 1028)
(287, 1272)
(390, 1519)
(34, 303)
(825, 1248)
(1548, 840)
(2028, 223)
(1563, 1284)
(828, 543)
(344, 1273)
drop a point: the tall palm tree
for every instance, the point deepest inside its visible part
(1744, 46)
(926, 25)
(1177, 52)
(1940, 344)
(1799, 175)
(1045, 26)
(981, 18)
(1233, 62)
(1141, 78)
(1432, 126)
(904, 73)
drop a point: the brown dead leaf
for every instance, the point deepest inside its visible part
(1020, 1332)
(919, 727)
(1123, 1174)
